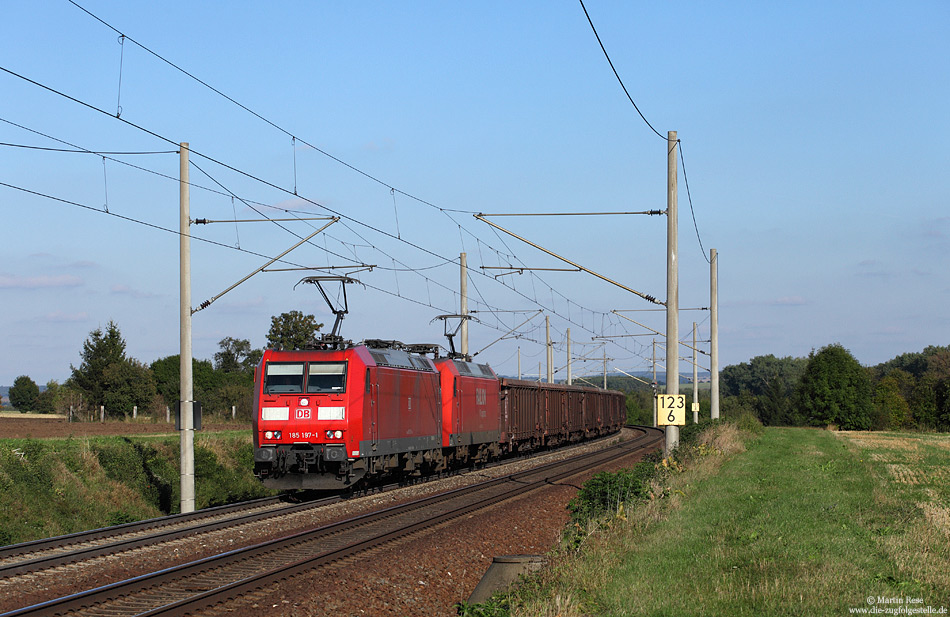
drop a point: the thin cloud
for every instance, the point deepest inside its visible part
(789, 301)
(385, 145)
(876, 274)
(889, 331)
(83, 264)
(9, 281)
(61, 317)
(125, 290)
(249, 306)
(872, 268)
(781, 301)
(936, 228)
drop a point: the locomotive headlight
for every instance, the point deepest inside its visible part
(268, 435)
(276, 434)
(304, 402)
(329, 434)
(338, 434)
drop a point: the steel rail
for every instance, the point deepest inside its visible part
(112, 540)
(23, 559)
(14, 550)
(183, 589)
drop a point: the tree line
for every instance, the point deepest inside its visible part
(108, 378)
(827, 388)
(830, 387)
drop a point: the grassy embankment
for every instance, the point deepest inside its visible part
(794, 521)
(52, 487)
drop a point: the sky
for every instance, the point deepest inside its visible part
(814, 161)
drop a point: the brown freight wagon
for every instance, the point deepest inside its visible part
(535, 414)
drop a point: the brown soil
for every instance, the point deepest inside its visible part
(38, 428)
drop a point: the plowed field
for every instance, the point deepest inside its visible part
(37, 428)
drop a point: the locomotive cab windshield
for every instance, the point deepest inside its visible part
(322, 378)
(283, 378)
(326, 377)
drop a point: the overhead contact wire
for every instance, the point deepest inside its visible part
(340, 161)
(616, 74)
(239, 171)
(288, 133)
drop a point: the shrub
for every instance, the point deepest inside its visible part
(607, 490)
(835, 389)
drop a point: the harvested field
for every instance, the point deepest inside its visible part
(22, 426)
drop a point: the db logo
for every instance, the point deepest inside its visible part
(302, 414)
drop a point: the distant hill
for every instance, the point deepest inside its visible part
(703, 377)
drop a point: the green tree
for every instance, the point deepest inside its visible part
(23, 394)
(942, 396)
(932, 359)
(99, 351)
(292, 330)
(835, 389)
(891, 408)
(767, 384)
(938, 374)
(923, 400)
(252, 360)
(231, 357)
(234, 368)
(232, 391)
(127, 384)
(914, 363)
(49, 398)
(640, 407)
(167, 375)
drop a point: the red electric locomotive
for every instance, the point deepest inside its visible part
(326, 418)
(471, 409)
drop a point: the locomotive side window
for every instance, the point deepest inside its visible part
(326, 377)
(283, 378)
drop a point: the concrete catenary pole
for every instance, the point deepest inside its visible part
(569, 379)
(714, 333)
(187, 385)
(519, 363)
(605, 367)
(550, 348)
(464, 304)
(695, 380)
(654, 383)
(672, 286)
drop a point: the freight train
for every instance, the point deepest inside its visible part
(335, 417)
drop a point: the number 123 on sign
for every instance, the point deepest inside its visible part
(670, 409)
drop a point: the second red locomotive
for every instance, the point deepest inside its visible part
(328, 418)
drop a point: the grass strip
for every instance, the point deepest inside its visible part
(801, 523)
(52, 487)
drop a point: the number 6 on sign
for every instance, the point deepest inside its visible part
(670, 409)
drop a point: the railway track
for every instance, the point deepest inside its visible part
(32, 557)
(39, 555)
(190, 587)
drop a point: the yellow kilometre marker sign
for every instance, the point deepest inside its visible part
(670, 409)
